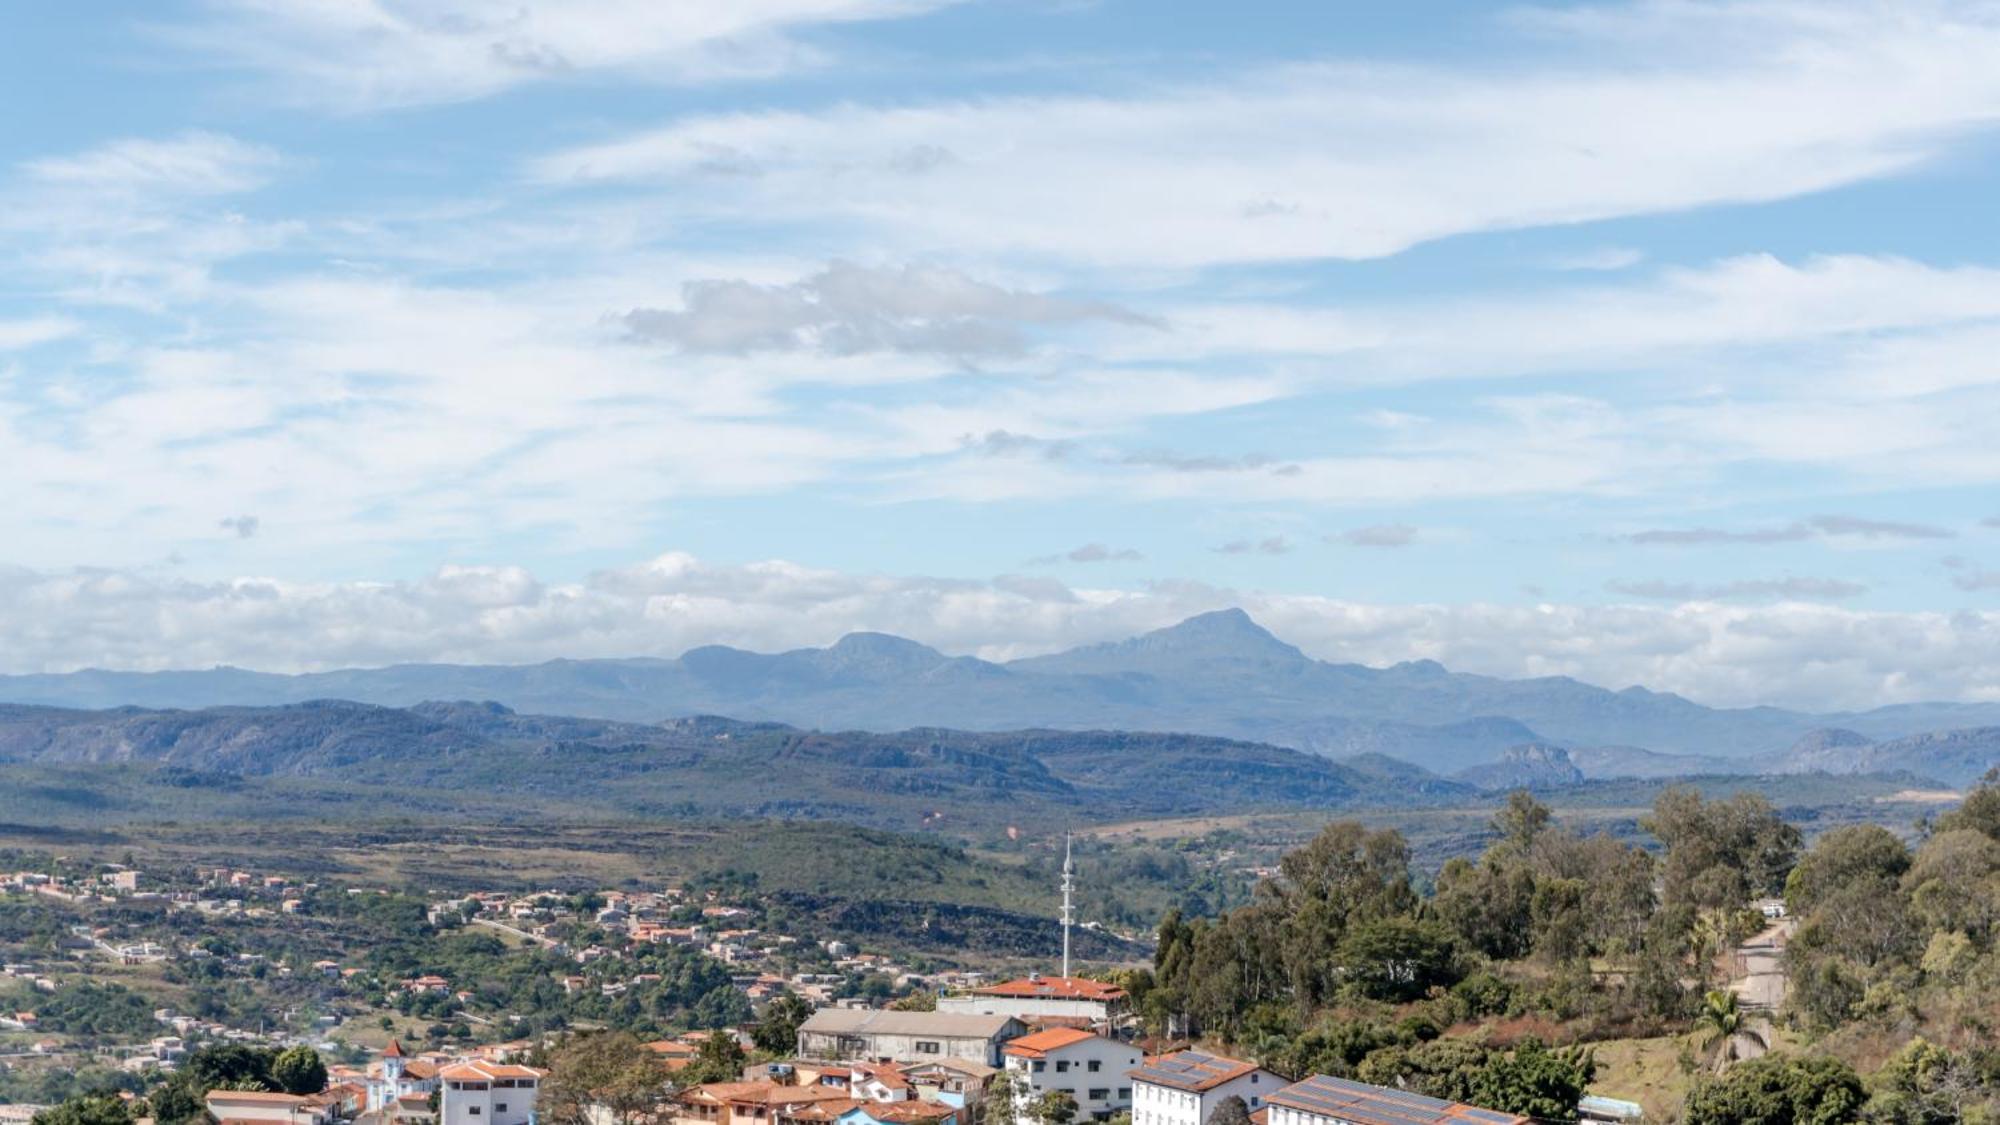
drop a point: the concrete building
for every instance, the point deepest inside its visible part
(1032, 998)
(848, 1033)
(1090, 1068)
(396, 1076)
(262, 1106)
(483, 1093)
(1321, 1100)
(1185, 1087)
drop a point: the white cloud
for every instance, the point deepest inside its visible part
(16, 335)
(191, 164)
(1797, 654)
(369, 54)
(1357, 160)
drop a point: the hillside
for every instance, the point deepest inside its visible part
(1219, 674)
(699, 766)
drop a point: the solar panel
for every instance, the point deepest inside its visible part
(1363, 1104)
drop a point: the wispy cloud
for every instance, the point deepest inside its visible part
(243, 527)
(848, 309)
(1273, 545)
(194, 163)
(1752, 589)
(1376, 535)
(353, 57)
(1830, 527)
(1092, 553)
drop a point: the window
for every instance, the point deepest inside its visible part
(500, 1107)
(1062, 1066)
(473, 1110)
(928, 1047)
(1124, 1093)
(1040, 1066)
(1099, 1093)
(1094, 1066)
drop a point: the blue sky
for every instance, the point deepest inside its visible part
(1645, 342)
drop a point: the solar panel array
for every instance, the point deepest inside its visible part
(1189, 1069)
(1363, 1104)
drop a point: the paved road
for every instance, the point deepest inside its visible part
(545, 943)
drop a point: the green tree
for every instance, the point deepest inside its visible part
(720, 1059)
(1535, 1081)
(87, 1109)
(609, 1073)
(778, 1032)
(1056, 1107)
(1778, 1089)
(299, 1070)
(177, 1102)
(1719, 1023)
(1229, 1111)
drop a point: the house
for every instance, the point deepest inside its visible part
(866, 1033)
(1090, 1068)
(959, 1082)
(756, 1103)
(1185, 1087)
(261, 1105)
(483, 1093)
(1035, 997)
(1321, 1100)
(395, 1076)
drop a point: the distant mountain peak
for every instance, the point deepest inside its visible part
(1223, 632)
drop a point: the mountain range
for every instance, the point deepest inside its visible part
(1219, 674)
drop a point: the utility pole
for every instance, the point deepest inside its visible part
(1069, 907)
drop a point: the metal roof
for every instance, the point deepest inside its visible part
(872, 1021)
(1192, 1070)
(1362, 1104)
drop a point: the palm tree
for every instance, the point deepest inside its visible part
(1719, 1024)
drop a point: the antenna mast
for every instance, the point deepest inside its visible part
(1069, 909)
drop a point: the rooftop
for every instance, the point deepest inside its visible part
(1042, 1042)
(1192, 1070)
(1055, 988)
(1361, 1104)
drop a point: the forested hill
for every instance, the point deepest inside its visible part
(711, 765)
(1218, 674)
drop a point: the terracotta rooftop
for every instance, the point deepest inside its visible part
(1055, 988)
(1042, 1042)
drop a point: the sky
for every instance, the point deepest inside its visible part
(1651, 343)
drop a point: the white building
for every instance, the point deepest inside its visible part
(394, 1077)
(1185, 1087)
(261, 1105)
(1040, 997)
(483, 1093)
(1321, 1100)
(1089, 1068)
(867, 1033)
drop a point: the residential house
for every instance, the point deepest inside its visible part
(1321, 1100)
(484, 1093)
(848, 1033)
(1090, 1068)
(1185, 1087)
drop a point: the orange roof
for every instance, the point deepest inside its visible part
(768, 1093)
(486, 1072)
(394, 1050)
(1042, 1042)
(254, 1097)
(1056, 988)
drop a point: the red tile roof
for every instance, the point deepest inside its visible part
(1042, 1042)
(1056, 988)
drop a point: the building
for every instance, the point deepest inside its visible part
(1185, 1087)
(262, 1106)
(1035, 998)
(484, 1093)
(1320, 1100)
(759, 1103)
(395, 1077)
(1090, 1068)
(865, 1033)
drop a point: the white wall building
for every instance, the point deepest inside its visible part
(1185, 1087)
(483, 1093)
(396, 1076)
(1033, 997)
(1090, 1068)
(867, 1033)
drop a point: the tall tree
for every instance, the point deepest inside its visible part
(298, 1070)
(605, 1076)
